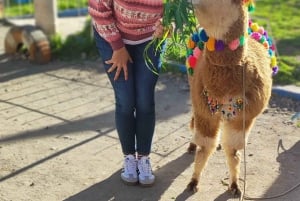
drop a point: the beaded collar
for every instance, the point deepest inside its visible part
(229, 108)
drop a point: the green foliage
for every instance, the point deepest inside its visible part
(282, 21)
(179, 22)
(13, 9)
(178, 16)
(70, 4)
(80, 45)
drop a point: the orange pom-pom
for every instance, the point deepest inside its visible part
(190, 44)
(266, 44)
(211, 44)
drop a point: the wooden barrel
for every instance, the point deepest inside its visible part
(30, 38)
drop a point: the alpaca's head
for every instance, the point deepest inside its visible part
(218, 16)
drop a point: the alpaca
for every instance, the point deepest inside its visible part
(230, 85)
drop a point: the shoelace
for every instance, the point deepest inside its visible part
(130, 166)
(146, 167)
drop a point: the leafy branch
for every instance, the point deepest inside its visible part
(179, 22)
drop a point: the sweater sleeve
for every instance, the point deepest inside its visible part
(101, 12)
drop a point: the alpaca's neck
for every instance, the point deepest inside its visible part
(229, 55)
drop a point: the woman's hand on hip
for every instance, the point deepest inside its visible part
(119, 62)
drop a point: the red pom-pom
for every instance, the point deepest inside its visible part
(192, 61)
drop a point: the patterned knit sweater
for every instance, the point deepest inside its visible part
(122, 22)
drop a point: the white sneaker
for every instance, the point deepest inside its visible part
(146, 178)
(129, 174)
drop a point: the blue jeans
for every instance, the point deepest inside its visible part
(134, 97)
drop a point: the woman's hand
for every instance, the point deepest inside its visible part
(119, 62)
(159, 29)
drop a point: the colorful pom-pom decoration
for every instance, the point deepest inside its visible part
(190, 44)
(197, 52)
(261, 35)
(210, 45)
(250, 5)
(275, 70)
(200, 40)
(203, 36)
(200, 45)
(220, 45)
(254, 27)
(242, 40)
(192, 61)
(195, 37)
(233, 45)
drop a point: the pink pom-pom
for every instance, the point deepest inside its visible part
(250, 22)
(272, 47)
(261, 30)
(256, 36)
(197, 52)
(233, 45)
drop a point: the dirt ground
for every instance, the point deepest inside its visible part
(58, 141)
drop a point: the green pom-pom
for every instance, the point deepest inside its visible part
(262, 39)
(189, 52)
(200, 45)
(251, 8)
(242, 40)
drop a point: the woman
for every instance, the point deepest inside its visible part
(122, 30)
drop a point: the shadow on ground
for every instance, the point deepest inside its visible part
(287, 184)
(113, 189)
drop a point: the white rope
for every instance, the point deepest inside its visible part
(244, 131)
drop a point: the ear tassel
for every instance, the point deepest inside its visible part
(250, 5)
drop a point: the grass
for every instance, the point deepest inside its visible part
(279, 17)
(13, 9)
(79, 45)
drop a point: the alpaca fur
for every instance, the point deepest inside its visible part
(244, 72)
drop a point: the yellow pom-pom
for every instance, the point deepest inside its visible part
(210, 45)
(254, 27)
(273, 61)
